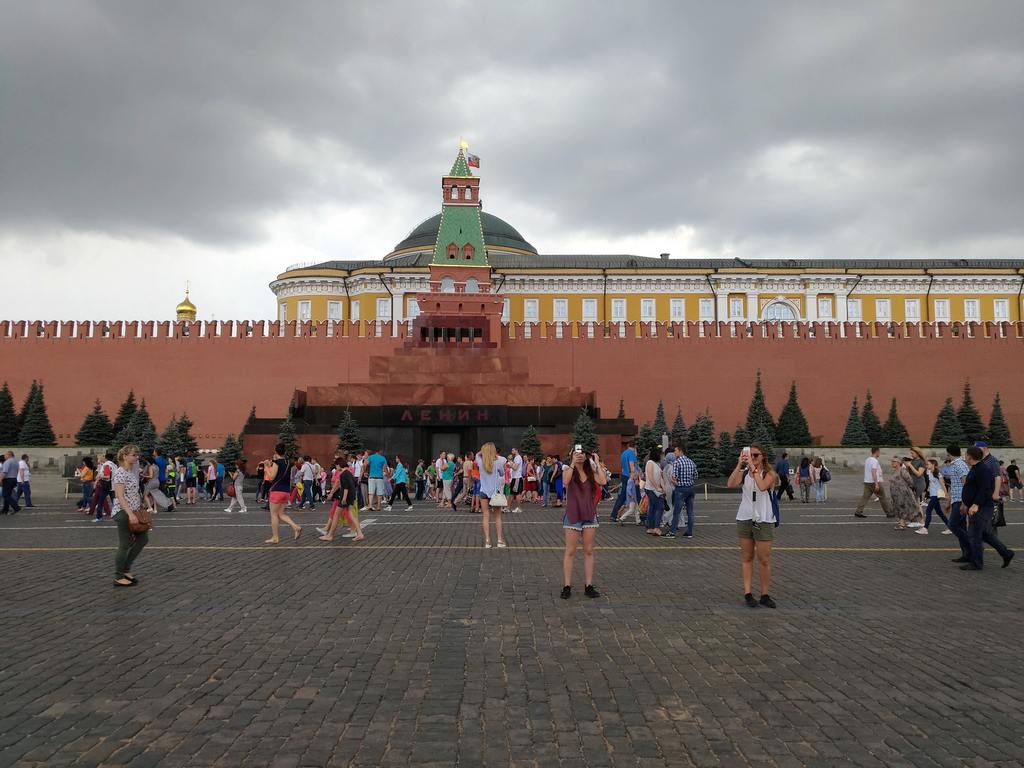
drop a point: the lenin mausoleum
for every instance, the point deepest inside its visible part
(465, 333)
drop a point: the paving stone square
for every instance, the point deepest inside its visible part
(419, 647)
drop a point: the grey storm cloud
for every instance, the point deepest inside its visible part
(868, 129)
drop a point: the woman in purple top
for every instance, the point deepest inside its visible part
(582, 479)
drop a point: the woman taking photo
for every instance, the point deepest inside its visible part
(755, 521)
(278, 474)
(583, 480)
(87, 474)
(654, 488)
(127, 506)
(492, 480)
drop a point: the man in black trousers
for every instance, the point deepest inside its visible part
(9, 480)
(979, 488)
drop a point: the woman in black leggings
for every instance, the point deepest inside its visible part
(399, 478)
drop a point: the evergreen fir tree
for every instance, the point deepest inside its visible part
(740, 439)
(645, 440)
(727, 453)
(187, 443)
(230, 452)
(30, 400)
(894, 433)
(998, 429)
(760, 424)
(349, 437)
(660, 426)
(286, 435)
(583, 432)
(701, 447)
(792, 428)
(36, 429)
(96, 428)
(622, 409)
(678, 434)
(529, 443)
(140, 431)
(8, 417)
(872, 424)
(947, 429)
(969, 418)
(855, 435)
(170, 440)
(125, 413)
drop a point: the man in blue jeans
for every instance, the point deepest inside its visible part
(684, 475)
(978, 491)
(629, 468)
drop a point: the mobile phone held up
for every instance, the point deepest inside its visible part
(745, 455)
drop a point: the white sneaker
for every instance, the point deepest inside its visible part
(228, 509)
(321, 531)
(410, 508)
(922, 530)
(517, 510)
(345, 535)
(387, 508)
(914, 525)
(947, 532)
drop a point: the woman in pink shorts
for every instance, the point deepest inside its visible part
(279, 478)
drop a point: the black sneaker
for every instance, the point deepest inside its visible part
(749, 600)
(687, 535)
(1008, 558)
(767, 602)
(566, 592)
(589, 591)
(669, 535)
(961, 559)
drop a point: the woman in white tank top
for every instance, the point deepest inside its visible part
(755, 520)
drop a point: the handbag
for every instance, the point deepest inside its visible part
(230, 490)
(999, 518)
(145, 522)
(825, 475)
(498, 499)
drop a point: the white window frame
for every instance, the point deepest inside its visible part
(942, 310)
(648, 310)
(618, 310)
(975, 316)
(531, 310)
(472, 285)
(854, 309)
(506, 310)
(383, 309)
(560, 310)
(1000, 310)
(912, 310)
(706, 309)
(334, 311)
(677, 310)
(737, 308)
(354, 309)
(883, 310)
(412, 308)
(590, 310)
(282, 312)
(305, 310)
(825, 311)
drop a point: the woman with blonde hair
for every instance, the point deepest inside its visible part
(492, 480)
(126, 511)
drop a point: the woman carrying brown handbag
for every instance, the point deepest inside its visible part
(132, 524)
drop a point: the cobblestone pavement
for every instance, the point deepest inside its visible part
(419, 647)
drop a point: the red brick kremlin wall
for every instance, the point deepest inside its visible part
(215, 371)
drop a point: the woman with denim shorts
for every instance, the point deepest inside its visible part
(582, 480)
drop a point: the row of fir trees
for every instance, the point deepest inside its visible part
(31, 424)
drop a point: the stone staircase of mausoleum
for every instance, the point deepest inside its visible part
(420, 376)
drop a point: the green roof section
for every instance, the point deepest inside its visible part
(460, 168)
(460, 224)
(498, 233)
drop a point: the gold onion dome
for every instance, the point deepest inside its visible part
(186, 310)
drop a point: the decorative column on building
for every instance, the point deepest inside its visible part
(753, 311)
(811, 304)
(460, 307)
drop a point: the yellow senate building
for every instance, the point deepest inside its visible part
(615, 288)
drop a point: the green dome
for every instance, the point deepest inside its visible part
(498, 234)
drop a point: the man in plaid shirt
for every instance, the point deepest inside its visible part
(955, 473)
(684, 477)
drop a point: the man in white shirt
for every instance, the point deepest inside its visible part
(873, 485)
(9, 479)
(25, 480)
(515, 485)
(306, 472)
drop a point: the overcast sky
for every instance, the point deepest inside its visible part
(143, 144)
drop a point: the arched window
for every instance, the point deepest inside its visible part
(453, 251)
(467, 252)
(780, 310)
(472, 286)
(447, 285)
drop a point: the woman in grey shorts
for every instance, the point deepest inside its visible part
(755, 520)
